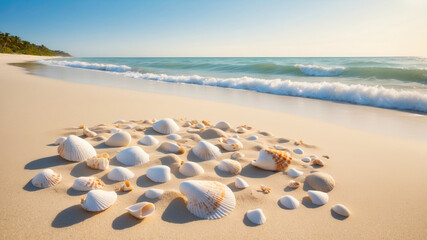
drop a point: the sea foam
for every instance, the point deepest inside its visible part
(86, 65)
(315, 70)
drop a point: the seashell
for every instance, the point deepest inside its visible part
(60, 140)
(191, 169)
(115, 130)
(306, 159)
(224, 126)
(153, 193)
(208, 199)
(264, 189)
(148, 122)
(120, 139)
(341, 210)
(46, 178)
(212, 133)
(120, 121)
(298, 151)
(120, 174)
(293, 184)
(240, 130)
(256, 216)
(76, 149)
(82, 126)
(230, 166)
(159, 174)
(237, 156)
(88, 133)
(240, 183)
(187, 124)
(280, 147)
(206, 151)
(200, 126)
(230, 144)
(318, 162)
(100, 161)
(126, 187)
(98, 200)
(127, 126)
(172, 148)
(320, 181)
(289, 202)
(273, 160)
(318, 198)
(174, 137)
(87, 184)
(148, 140)
(246, 127)
(165, 126)
(206, 123)
(132, 156)
(313, 156)
(294, 173)
(141, 210)
(254, 137)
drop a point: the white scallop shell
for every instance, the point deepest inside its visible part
(191, 169)
(153, 193)
(206, 151)
(240, 183)
(230, 144)
(174, 137)
(187, 124)
(100, 161)
(60, 140)
(230, 166)
(120, 174)
(87, 184)
(165, 126)
(254, 137)
(237, 156)
(115, 130)
(240, 130)
(273, 160)
(306, 159)
(289, 202)
(132, 156)
(318, 198)
(223, 125)
(208, 199)
(200, 125)
(120, 139)
(46, 178)
(88, 133)
(294, 173)
(171, 147)
(280, 147)
(76, 149)
(256, 216)
(141, 210)
(159, 173)
(98, 200)
(298, 151)
(320, 181)
(148, 140)
(341, 210)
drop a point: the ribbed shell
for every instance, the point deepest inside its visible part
(256, 216)
(294, 173)
(120, 174)
(231, 144)
(98, 200)
(206, 151)
(132, 156)
(230, 166)
(191, 169)
(341, 210)
(273, 160)
(60, 140)
(100, 161)
(289, 202)
(240, 183)
(141, 210)
(172, 148)
(318, 197)
(320, 181)
(208, 199)
(174, 137)
(159, 173)
(120, 139)
(165, 126)
(76, 149)
(87, 184)
(46, 178)
(153, 193)
(223, 125)
(148, 140)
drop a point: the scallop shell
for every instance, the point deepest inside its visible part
(231, 144)
(306, 159)
(120, 174)
(294, 184)
(115, 130)
(280, 147)
(174, 137)
(148, 140)
(153, 193)
(273, 160)
(132, 156)
(60, 140)
(341, 210)
(187, 124)
(318, 198)
(87, 184)
(208, 199)
(318, 162)
(120, 139)
(237, 156)
(172, 148)
(320, 181)
(76, 149)
(165, 126)
(223, 125)
(289, 202)
(98, 200)
(206, 151)
(230, 166)
(141, 210)
(100, 161)
(256, 216)
(294, 173)
(159, 173)
(191, 169)
(200, 126)
(88, 133)
(46, 178)
(254, 137)
(240, 130)
(126, 187)
(240, 183)
(298, 151)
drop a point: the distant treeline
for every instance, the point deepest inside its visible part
(14, 44)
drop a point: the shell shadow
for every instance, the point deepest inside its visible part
(316, 166)
(150, 131)
(337, 216)
(51, 145)
(306, 187)
(115, 162)
(30, 187)
(125, 221)
(283, 207)
(308, 204)
(143, 198)
(102, 146)
(73, 192)
(223, 174)
(107, 181)
(289, 189)
(253, 172)
(283, 140)
(81, 170)
(234, 188)
(71, 216)
(143, 181)
(248, 222)
(46, 162)
(192, 157)
(176, 212)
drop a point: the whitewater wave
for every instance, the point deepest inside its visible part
(86, 65)
(315, 70)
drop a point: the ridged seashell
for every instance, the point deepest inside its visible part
(132, 156)
(223, 125)
(341, 210)
(141, 210)
(172, 148)
(230, 166)
(115, 130)
(254, 137)
(273, 160)
(318, 198)
(320, 181)
(187, 124)
(191, 169)
(280, 147)
(60, 140)
(153, 193)
(306, 159)
(126, 187)
(206, 151)
(318, 162)
(98, 200)
(148, 140)
(231, 144)
(237, 156)
(240, 130)
(294, 184)
(298, 151)
(173, 137)
(88, 133)
(120, 139)
(120, 121)
(240, 183)
(159, 174)
(212, 133)
(256, 216)
(100, 161)
(46, 178)
(208, 199)
(87, 184)
(120, 174)
(289, 202)
(76, 149)
(165, 126)
(200, 126)
(294, 173)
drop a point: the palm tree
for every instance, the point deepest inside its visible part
(6, 38)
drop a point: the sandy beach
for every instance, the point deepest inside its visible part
(380, 178)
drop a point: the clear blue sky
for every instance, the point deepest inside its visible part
(222, 28)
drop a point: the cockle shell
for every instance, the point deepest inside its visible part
(120, 174)
(298, 151)
(223, 125)
(60, 140)
(100, 161)
(293, 184)
(200, 126)
(206, 151)
(171, 147)
(87, 184)
(141, 210)
(88, 133)
(153, 193)
(132, 156)
(174, 137)
(230, 166)
(46, 178)
(208, 199)
(165, 126)
(306, 159)
(294, 173)
(256, 216)
(318, 162)
(273, 160)
(320, 181)
(254, 137)
(230, 144)
(237, 156)
(289, 202)
(191, 169)
(126, 187)
(318, 198)
(148, 140)
(115, 130)
(159, 174)
(341, 210)
(240, 130)
(98, 200)
(240, 183)
(76, 149)
(120, 139)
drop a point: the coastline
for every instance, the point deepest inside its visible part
(380, 178)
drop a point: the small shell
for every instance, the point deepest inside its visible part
(120, 174)
(237, 156)
(174, 137)
(206, 151)
(256, 216)
(306, 159)
(120, 139)
(298, 151)
(294, 173)
(165, 126)
(289, 202)
(273, 160)
(88, 133)
(87, 184)
(318, 162)
(294, 184)
(126, 187)
(100, 161)
(313, 156)
(46, 178)
(127, 126)
(341, 210)
(141, 210)
(132, 156)
(171, 147)
(60, 140)
(235, 136)
(320, 181)
(159, 174)
(153, 193)
(230, 166)
(200, 126)
(120, 121)
(187, 124)
(254, 137)
(265, 189)
(230, 144)
(76, 149)
(115, 130)
(223, 125)
(148, 140)
(280, 147)
(318, 198)
(240, 130)
(98, 200)
(191, 169)
(240, 183)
